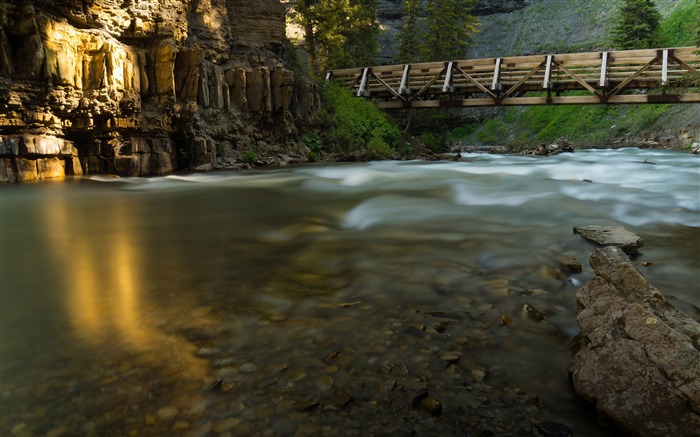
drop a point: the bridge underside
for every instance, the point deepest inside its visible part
(619, 77)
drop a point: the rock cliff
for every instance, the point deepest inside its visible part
(142, 87)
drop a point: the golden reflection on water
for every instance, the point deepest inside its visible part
(103, 278)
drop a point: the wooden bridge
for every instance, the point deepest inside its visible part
(615, 77)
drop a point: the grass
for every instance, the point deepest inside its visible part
(677, 29)
(594, 125)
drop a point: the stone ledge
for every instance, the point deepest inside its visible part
(639, 360)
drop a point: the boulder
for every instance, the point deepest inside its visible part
(616, 236)
(695, 148)
(639, 357)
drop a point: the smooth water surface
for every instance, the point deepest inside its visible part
(319, 300)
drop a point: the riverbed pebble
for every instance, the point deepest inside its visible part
(166, 413)
(248, 368)
(478, 375)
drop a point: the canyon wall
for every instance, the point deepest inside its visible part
(142, 87)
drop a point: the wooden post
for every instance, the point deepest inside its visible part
(496, 75)
(404, 87)
(604, 70)
(547, 73)
(664, 68)
(448, 79)
(363, 84)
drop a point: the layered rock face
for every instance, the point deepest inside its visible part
(639, 360)
(141, 87)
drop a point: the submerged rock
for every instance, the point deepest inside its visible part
(639, 357)
(616, 236)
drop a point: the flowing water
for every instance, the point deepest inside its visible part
(324, 299)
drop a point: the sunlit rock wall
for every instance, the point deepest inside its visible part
(141, 87)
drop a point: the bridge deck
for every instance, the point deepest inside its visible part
(605, 77)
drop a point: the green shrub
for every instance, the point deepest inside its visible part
(378, 149)
(312, 156)
(493, 131)
(250, 157)
(465, 131)
(355, 122)
(313, 142)
(677, 30)
(433, 141)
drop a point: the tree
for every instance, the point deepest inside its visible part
(361, 36)
(637, 25)
(338, 33)
(450, 29)
(411, 34)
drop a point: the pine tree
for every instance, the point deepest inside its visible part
(637, 25)
(361, 34)
(338, 33)
(411, 34)
(450, 29)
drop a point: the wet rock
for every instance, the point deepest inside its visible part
(226, 425)
(248, 368)
(284, 427)
(569, 264)
(180, 426)
(647, 144)
(306, 406)
(19, 428)
(428, 403)
(387, 386)
(616, 236)
(400, 370)
(561, 145)
(149, 419)
(554, 429)
(166, 413)
(478, 375)
(57, 432)
(639, 357)
(449, 358)
(695, 148)
(323, 382)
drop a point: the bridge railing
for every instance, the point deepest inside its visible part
(606, 77)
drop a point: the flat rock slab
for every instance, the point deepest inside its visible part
(639, 356)
(616, 236)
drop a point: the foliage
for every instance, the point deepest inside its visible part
(338, 33)
(313, 142)
(411, 34)
(433, 141)
(680, 27)
(362, 44)
(493, 131)
(463, 132)
(637, 25)
(357, 123)
(447, 33)
(250, 156)
(450, 28)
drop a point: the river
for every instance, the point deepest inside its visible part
(323, 299)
